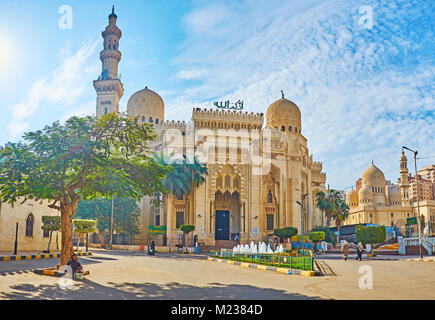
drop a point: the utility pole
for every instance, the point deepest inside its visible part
(418, 201)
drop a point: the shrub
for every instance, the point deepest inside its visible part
(285, 233)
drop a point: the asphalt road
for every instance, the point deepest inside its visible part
(129, 276)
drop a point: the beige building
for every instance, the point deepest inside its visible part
(258, 167)
(31, 237)
(380, 202)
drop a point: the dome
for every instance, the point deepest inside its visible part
(352, 198)
(373, 176)
(365, 194)
(284, 115)
(147, 105)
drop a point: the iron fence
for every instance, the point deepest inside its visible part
(276, 260)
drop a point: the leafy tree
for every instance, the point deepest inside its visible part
(285, 233)
(370, 235)
(84, 226)
(84, 158)
(125, 215)
(186, 228)
(327, 202)
(50, 223)
(329, 236)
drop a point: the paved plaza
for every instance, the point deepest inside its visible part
(122, 275)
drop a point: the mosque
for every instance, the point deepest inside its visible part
(242, 197)
(378, 201)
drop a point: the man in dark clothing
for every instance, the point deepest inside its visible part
(74, 264)
(152, 248)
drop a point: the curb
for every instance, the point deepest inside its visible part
(53, 273)
(303, 273)
(39, 256)
(422, 260)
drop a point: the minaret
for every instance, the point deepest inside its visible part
(108, 86)
(404, 183)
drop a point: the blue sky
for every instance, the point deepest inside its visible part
(363, 92)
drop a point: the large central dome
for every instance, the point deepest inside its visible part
(284, 115)
(373, 176)
(147, 105)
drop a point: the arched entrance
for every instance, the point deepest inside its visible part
(227, 215)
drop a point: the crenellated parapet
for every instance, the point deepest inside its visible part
(215, 118)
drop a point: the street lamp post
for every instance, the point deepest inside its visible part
(16, 240)
(303, 220)
(418, 202)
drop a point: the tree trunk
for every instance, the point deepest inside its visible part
(67, 245)
(49, 241)
(101, 237)
(87, 241)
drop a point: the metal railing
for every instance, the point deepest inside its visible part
(427, 243)
(276, 260)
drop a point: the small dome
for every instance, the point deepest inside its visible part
(284, 115)
(147, 105)
(352, 198)
(373, 176)
(365, 194)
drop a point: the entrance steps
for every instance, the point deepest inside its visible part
(226, 244)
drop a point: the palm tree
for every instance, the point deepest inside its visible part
(341, 213)
(327, 202)
(196, 172)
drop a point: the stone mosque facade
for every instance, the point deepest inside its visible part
(237, 198)
(378, 201)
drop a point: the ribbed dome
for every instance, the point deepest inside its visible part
(365, 194)
(373, 176)
(147, 105)
(352, 198)
(284, 114)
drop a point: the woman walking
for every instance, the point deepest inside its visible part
(345, 250)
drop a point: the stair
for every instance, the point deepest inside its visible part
(389, 241)
(226, 244)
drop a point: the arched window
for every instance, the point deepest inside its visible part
(150, 120)
(290, 128)
(105, 111)
(269, 197)
(157, 121)
(29, 225)
(227, 181)
(296, 129)
(283, 128)
(143, 119)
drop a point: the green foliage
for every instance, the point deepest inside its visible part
(316, 236)
(329, 236)
(187, 228)
(51, 223)
(285, 233)
(84, 225)
(332, 206)
(83, 158)
(370, 235)
(183, 174)
(125, 214)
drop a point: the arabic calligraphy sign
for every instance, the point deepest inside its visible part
(227, 105)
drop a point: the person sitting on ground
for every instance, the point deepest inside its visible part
(74, 263)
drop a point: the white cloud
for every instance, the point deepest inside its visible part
(363, 93)
(63, 87)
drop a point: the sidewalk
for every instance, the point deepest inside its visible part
(7, 256)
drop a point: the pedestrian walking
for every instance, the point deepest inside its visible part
(345, 250)
(359, 251)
